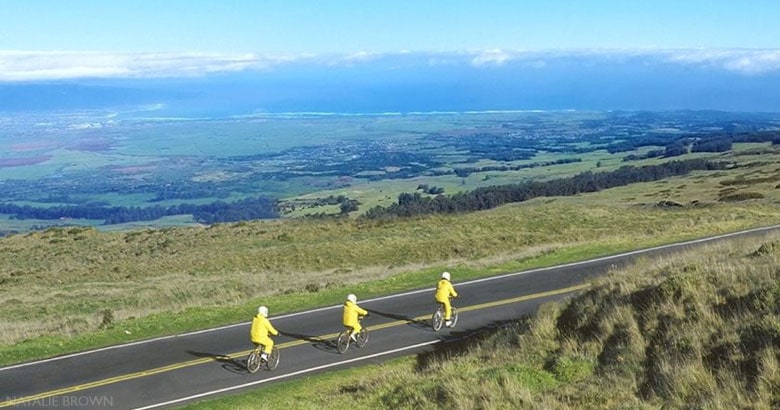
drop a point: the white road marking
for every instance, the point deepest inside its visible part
(284, 376)
(461, 284)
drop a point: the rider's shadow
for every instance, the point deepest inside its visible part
(413, 322)
(228, 363)
(461, 342)
(317, 342)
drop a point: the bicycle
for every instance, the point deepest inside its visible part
(437, 320)
(343, 341)
(254, 361)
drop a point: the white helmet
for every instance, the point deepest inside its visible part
(352, 298)
(262, 311)
(445, 275)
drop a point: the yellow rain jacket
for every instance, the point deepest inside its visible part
(261, 327)
(444, 291)
(351, 313)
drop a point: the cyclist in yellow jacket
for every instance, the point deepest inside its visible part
(261, 327)
(444, 291)
(351, 314)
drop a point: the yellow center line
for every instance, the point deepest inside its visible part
(195, 362)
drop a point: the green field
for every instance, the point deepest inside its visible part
(68, 289)
(71, 288)
(371, 159)
(758, 160)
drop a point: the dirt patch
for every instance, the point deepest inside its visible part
(23, 162)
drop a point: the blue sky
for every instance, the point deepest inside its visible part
(496, 54)
(61, 39)
(322, 27)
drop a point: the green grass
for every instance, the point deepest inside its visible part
(164, 222)
(162, 281)
(698, 329)
(700, 186)
(158, 282)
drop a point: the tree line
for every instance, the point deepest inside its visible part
(411, 204)
(218, 211)
(718, 142)
(466, 171)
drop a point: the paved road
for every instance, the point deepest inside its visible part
(171, 371)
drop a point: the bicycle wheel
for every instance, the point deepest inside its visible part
(253, 361)
(273, 359)
(437, 319)
(362, 338)
(453, 317)
(342, 343)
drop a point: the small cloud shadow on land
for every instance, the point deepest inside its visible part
(319, 343)
(413, 322)
(228, 363)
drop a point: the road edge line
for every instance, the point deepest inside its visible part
(284, 376)
(413, 292)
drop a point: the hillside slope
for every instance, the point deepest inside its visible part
(695, 330)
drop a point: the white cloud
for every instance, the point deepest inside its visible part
(360, 56)
(742, 61)
(36, 66)
(348, 59)
(757, 61)
(491, 57)
(31, 66)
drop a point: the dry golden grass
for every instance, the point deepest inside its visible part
(61, 281)
(700, 329)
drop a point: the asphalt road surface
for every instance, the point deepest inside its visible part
(172, 371)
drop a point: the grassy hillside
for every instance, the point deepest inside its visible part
(72, 288)
(695, 330)
(69, 289)
(756, 171)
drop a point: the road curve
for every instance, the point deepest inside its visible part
(171, 371)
